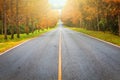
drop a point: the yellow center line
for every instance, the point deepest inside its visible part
(60, 58)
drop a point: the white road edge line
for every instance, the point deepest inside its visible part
(19, 44)
(60, 58)
(98, 39)
(14, 47)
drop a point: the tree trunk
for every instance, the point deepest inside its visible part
(27, 25)
(98, 27)
(80, 23)
(12, 27)
(2, 23)
(32, 25)
(119, 23)
(4, 20)
(17, 21)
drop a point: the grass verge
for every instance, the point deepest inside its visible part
(107, 36)
(7, 44)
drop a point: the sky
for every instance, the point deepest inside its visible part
(57, 4)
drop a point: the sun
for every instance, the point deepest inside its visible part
(57, 4)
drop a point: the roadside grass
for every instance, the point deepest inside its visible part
(7, 44)
(107, 36)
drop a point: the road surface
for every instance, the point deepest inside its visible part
(82, 58)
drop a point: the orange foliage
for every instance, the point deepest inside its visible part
(49, 20)
(116, 1)
(71, 12)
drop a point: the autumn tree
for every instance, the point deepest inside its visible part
(114, 13)
(25, 16)
(99, 15)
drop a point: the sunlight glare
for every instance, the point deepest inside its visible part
(57, 4)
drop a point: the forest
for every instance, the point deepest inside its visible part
(25, 16)
(96, 15)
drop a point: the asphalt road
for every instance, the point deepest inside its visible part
(83, 58)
